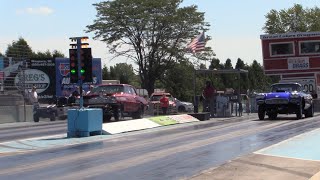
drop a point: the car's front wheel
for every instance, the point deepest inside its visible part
(261, 112)
(299, 112)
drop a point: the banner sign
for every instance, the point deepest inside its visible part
(1, 63)
(41, 73)
(63, 86)
(297, 63)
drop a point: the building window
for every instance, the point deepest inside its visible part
(309, 47)
(281, 49)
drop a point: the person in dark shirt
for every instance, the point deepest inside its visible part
(208, 94)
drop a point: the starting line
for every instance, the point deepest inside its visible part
(113, 128)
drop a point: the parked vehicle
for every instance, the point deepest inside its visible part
(184, 106)
(285, 98)
(116, 100)
(155, 103)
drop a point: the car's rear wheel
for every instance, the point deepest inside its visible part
(181, 109)
(261, 112)
(310, 112)
(53, 117)
(36, 118)
(106, 118)
(139, 113)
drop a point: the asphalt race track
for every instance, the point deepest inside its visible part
(199, 150)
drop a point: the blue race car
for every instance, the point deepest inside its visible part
(285, 98)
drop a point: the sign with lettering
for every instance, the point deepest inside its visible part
(297, 63)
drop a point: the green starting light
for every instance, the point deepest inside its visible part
(82, 71)
(73, 71)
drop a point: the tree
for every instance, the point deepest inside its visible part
(1, 55)
(105, 72)
(19, 49)
(179, 81)
(47, 55)
(123, 72)
(295, 19)
(228, 79)
(153, 34)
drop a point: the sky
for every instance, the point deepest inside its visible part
(235, 28)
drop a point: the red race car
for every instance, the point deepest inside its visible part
(117, 100)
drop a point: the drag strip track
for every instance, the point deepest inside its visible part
(23, 132)
(172, 152)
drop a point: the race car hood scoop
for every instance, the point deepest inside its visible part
(278, 95)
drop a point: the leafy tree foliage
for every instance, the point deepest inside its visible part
(179, 81)
(153, 34)
(295, 19)
(19, 49)
(121, 71)
(105, 72)
(47, 55)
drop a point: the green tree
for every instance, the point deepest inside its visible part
(47, 55)
(123, 72)
(243, 82)
(105, 72)
(179, 81)
(19, 49)
(294, 19)
(153, 34)
(228, 79)
(57, 54)
(1, 55)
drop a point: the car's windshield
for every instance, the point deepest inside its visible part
(110, 89)
(285, 87)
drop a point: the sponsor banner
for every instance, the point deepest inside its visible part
(297, 63)
(127, 126)
(183, 118)
(1, 63)
(290, 35)
(308, 84)
(63, 86)
(1, 75)
(41, 73)
(163, 120)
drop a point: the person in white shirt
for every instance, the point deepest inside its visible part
(33, 97)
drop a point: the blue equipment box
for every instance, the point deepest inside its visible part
(84, 122)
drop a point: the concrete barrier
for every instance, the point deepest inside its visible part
(17, 113)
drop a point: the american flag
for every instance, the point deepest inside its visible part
(197, 44)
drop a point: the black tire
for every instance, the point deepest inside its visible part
(106, 118)
(309, 112)
(261, 112)
(138, 114)
(36, 118)
(53, 117)
(299, 112)
(181, 109)
(116, 114)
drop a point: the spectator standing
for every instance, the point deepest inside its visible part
(164, 103)
(208, 94)
(33, 98)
